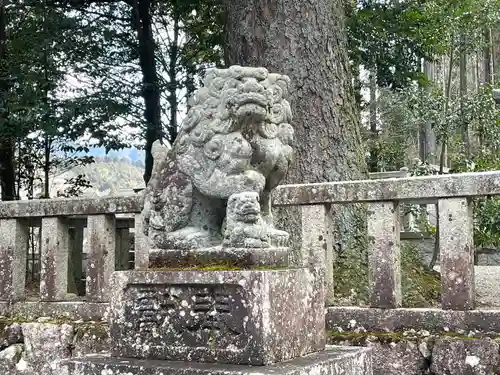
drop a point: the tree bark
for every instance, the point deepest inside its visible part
(428, 145)
(487, 57)
(142, 21)
(7, 142)
(373, 163)
(173, 83)
(306, 40)
(463, 94)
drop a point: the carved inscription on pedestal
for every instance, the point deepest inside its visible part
(191, 315)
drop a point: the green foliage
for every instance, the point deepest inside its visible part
(74, 78)
(398, 133)
(390, 38)
(478, 113)
(484, 119)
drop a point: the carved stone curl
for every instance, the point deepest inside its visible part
(235, 139)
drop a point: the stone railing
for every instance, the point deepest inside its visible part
(61, 223)
(455, 228)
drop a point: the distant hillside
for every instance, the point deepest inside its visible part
(111, 177)
(133, 154)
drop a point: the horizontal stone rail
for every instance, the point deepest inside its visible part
(421, 189)
(404, 319)
(452, 193)
(62, 223)
(71, 207)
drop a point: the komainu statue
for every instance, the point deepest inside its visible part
(235, 139)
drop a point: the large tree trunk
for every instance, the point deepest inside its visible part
(142, 19)
(306, 40)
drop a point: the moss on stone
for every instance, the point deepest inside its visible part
(360, 338)
(99, 330)
(218, 266)
(421, 286)
(57, 320)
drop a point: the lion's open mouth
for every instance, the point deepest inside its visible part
(251, 98)
(249, 211)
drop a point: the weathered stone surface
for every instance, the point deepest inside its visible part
(236, 257)
(10, 358)
(90, 338)
(73, 206)
(393, 353)
(384, 255)
(12, 334)
(465, 357)
(411, 352)
(380, 320)
(45, 345)
(397, 358)
(243, 317)
(316, 249)
(54, 259)
(405, 189)
(67, 310)
(236, 138)
(333, 361)
(13, 244)
(496, 96)
(141, 245)
(101, 247)
(456, 243)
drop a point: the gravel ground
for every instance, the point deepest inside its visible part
(487, 280)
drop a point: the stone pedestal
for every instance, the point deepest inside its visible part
(335, 360)
(235, 322)
(249, 317)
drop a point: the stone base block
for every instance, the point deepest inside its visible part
(236, 257)
(335, 360)
(250, 317)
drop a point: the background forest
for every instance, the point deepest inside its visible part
(80, 78)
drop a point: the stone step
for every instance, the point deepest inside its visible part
(335, 360)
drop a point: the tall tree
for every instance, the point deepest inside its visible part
(307, 41)
(7, 169)
(142, 17)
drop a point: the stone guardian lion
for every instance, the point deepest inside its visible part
(236, 138)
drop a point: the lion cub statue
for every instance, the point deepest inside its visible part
(245, 226)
